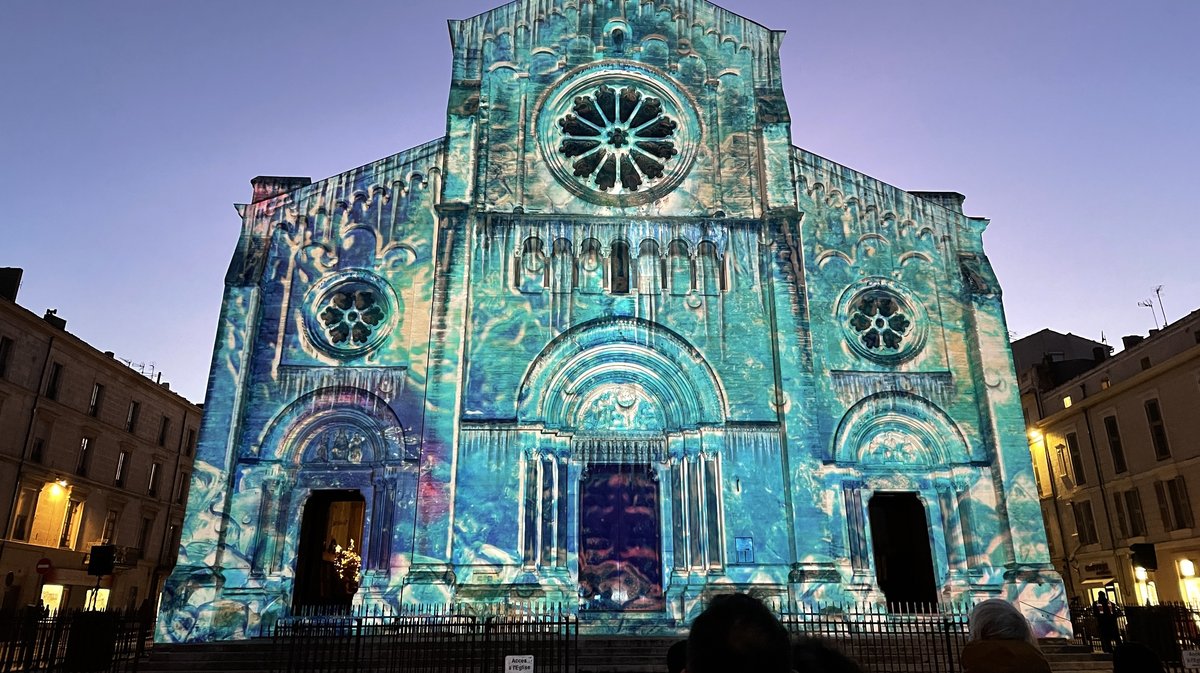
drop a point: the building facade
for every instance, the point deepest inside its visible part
(1114, 443)
(612, 340)
(91, 453)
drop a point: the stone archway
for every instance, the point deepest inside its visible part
(905, 463)
(624, 391)
(333, 440)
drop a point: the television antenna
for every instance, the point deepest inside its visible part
(1149, 303)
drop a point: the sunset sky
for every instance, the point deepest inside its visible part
(129, 128)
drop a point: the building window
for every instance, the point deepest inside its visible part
(1145, 363)
(1076, 459)
(1137, 520)
(70, 529)
(619, 268)
(1066, 401)
(1174, 504)
(144, 535)
(56, 372)
(1114, 443)
(1119, 508)
(164, 428)
(1105, 383)
(1158, 433)
(181, 487)
(122, 459)
(97, 398)
(189, 446)
(1085, 522)
(131, 418)
(6, 347)
(23, 518)
(37, 450)
(152, 483)
(110, 527)
(85, 455)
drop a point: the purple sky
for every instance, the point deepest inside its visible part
(128, 129)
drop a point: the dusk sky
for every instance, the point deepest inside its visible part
(128, 130)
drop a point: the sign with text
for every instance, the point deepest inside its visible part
(1191, 658)
(518, 663)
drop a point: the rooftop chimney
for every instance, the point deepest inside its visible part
(270, 186)
(1132, 340)
(55, 321)
(948, 200)
(1100, 353)
(10, 282)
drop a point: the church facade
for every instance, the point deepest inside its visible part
(613, 341)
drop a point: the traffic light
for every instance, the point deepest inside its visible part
(102, 558)
(1142, 555)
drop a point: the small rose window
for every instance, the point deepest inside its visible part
(351, 316)
(881, 321)
(612, 137)
(351, 313)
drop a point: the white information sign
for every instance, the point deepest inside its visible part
(518, 663)
(1191, 658)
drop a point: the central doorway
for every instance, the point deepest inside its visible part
(329, 556)
(900, 542)
(620, 559)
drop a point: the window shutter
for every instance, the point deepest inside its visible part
(1163, 508)
(1120, 515)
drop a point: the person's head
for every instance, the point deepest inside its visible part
(996, 619)
(738, 634)
(1135, 658)
(813, 655)
(1103, 597)
(677, 657)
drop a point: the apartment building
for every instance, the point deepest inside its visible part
(92, 452)
(1116, 449)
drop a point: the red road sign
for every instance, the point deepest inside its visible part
(43, 566)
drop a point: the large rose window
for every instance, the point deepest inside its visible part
(618, 133)
(881, 322)
(351, 313)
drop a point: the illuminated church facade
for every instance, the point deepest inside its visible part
(613, 341)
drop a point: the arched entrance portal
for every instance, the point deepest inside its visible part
(900, 543)
(620, 541)
(329, 557)
(635, 400)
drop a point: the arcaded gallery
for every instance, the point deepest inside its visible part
(615, 342)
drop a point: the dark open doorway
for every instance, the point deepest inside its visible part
(900, 542)
(620, 560)
(330, 540)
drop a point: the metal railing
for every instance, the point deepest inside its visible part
(424, 639)
(910, 638)
(77, 640)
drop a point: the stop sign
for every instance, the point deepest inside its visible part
(43, 566)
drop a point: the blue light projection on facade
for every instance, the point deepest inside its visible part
(612, 341)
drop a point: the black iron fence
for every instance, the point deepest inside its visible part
(425, 640)
(913, 638)
(69, 641)
(1169, 630)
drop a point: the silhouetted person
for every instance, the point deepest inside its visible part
(1136, 658)
(738, 634)
(1001, 641)
(677, 657)
(1106, 613)
(813, 655)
